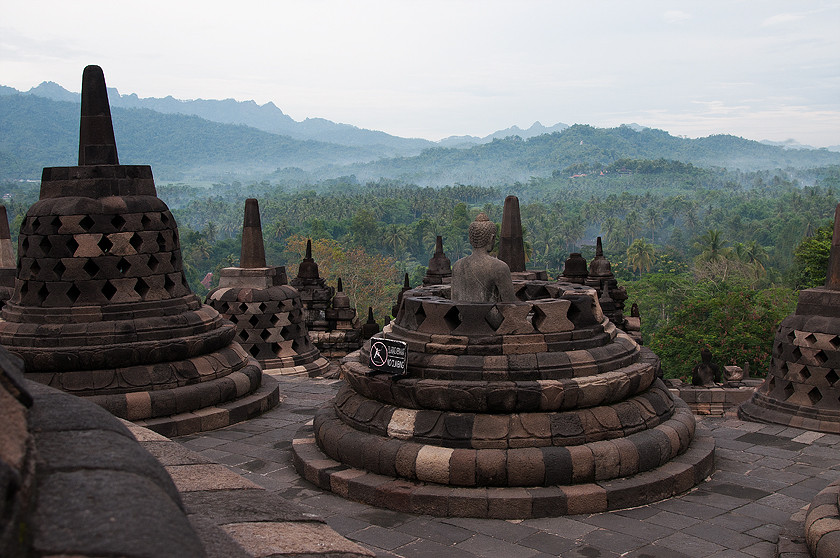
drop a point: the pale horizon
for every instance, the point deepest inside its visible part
(765, 70)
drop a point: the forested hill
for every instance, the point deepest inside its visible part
(584, 149)
(36, 132)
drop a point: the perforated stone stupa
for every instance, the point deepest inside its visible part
(439, 270)
(802, 387)
(102, 308)
(268, 312)
(535, 407)
(7, 259)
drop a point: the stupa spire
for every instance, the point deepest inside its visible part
(253, 249)
(511, 245)
(832, 276)
(7, 255)
(97, 145)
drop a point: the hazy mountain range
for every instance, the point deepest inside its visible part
(211, 140)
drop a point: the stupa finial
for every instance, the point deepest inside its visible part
(599, 248)
(511, 245)
(308, 249)
(97, 145)
(832, 276)
(253, 249)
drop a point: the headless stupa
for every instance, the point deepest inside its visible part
(519, 399)
(802, 388)
(7, 259)
(268, 313)
(102, 308)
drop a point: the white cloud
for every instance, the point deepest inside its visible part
(780, 19)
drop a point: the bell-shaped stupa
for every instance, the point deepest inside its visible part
(802, 388)
(439, 270)
(101, 307)
(268, 312)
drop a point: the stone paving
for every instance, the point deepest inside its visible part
(763, 475)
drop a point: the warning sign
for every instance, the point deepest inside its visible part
(388, 356)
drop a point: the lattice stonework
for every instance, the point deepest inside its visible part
(81, 260)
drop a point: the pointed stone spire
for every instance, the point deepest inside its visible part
(832, 276)
(406, 284)
(7, 254)
(97, 145)
(511, 245)
(253, 249)
(340, 286)
(600, 266)
(341, 300)
(308, 269)
(370, 319)
(370, 328)
(599, 248)
(438, 245)
(440, 268)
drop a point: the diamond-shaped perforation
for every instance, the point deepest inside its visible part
(118, 222)
(141, 288)
(72, 245)
(264, 335)
(815, 395)
(253, 320)
(262, 307)
(145, 221)
(233, 318)
(56, 223)
(45, 245)
(832, 377)
(91, 268)
(35, 268)
(274, 319)
(87, 223)
(43, 293)
(123, 266)
(136, 241)
(821, 357)
(419, 315)
(164, 218)
(104, 244)
(254, 350)
(783, 367)
(243, 335)
(452, 318)
(789, 390)
(35, 224)
(771, 385)
(797, 354)
(59, 269)
(275, 348)
(494, 318)
(109, 290)
(243, 307)
(573, 312)
(73, 293)
(168, 284)
(811, 339)
(153, 263)
(791, 336)
(25, 245)
(161, 242)
(805, 373)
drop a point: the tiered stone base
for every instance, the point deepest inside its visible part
(311, 369)
(245, 407)
(513, 502)
(822, 523)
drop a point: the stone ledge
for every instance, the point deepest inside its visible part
(403, 495)
(266, 397)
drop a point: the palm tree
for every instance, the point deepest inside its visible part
(711, 246)
(641, 256)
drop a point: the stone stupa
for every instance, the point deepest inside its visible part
(8, 266)
(524, 401)
(439, 270)
(102, 308)
(802, 387)
(268, 312)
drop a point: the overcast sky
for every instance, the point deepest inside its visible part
(431, 69)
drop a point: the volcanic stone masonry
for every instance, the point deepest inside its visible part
(7, 259)
(101, 307)
(535, 407)
(267, 312)
(802, 387)
(439, 270)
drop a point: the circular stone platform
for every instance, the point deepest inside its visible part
(533, 408)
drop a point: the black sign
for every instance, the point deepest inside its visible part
(388, 356)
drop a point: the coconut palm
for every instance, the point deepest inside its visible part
(641, 256)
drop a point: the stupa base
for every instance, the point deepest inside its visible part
(771, 411)
(284, 368)
(674, 477)
(263, 399)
